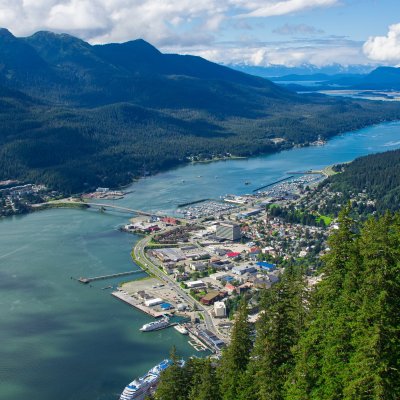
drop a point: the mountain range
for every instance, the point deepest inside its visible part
(381, 78)
(75, 116)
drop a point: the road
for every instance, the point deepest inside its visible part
(140, 254)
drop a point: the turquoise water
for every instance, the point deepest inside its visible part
(67, 341)
(61, 339)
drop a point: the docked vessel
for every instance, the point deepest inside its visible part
(141, 387)
(181, 329)
(155, 325)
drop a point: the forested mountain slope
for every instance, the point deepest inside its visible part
(75, 116)
(378, 175)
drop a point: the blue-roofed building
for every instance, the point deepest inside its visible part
(166, 306)
(266, 266)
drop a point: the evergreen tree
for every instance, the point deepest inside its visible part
(175, 381)
(323, 350)
(374, 368)
(236, 356)
(278, 330)
(351, 347)
(205, 384)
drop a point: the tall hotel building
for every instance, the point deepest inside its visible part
(230, 231)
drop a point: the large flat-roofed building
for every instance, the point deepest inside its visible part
(244, 269)
(227, 230)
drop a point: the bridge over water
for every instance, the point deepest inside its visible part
(106, 206)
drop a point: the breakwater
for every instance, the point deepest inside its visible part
(273, 183)
(190, 203)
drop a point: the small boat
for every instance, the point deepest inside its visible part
(247, 183)
(181, 329)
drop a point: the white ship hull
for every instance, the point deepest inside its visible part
(156, 325)
(143, 386)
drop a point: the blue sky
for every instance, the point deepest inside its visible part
(252, 32)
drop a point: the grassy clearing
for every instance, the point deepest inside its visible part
(327, 220)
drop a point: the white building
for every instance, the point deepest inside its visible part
(220, 309)
(153, 302)
(195, 284)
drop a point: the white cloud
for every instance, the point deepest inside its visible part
(384, 48)
(122, 20)
(273, 8)
(183, 26)
(318, 53)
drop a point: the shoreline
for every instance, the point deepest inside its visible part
(49, 205)
(219, 159)
(286, 147)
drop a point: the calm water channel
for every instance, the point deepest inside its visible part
(62, 340)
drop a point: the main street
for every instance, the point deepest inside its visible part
(140, 254)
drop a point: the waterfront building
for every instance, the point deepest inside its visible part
(212, 340)
(227, 230)
(153, 302)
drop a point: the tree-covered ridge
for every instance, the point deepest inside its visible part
(337, 340)
(377, 175)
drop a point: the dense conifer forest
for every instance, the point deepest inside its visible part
(376, 175)
(339, 339)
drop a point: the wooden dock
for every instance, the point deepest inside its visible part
(99, 278)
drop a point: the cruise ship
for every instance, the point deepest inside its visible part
(158, 324)
(141, 387)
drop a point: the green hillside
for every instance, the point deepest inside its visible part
(76, 116)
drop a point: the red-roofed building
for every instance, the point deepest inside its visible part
(230, 288)
(170, 221)
(233, 254)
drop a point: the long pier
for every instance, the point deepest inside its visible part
(98, 278)
(273, 183)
